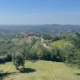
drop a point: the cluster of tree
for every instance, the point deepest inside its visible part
(52, 38)
(69, 52)
(44, 54)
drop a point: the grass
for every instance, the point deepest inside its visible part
(41, 70)
(59, 43)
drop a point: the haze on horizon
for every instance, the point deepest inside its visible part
(29, 12)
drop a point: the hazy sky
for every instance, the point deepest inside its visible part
(39, 11)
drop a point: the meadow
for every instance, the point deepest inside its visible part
(40, 70)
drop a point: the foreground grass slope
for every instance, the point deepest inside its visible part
(41, 70)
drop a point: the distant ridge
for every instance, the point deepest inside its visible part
(49, 29)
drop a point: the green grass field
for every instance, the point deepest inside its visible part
(60, 43)
(41, 70)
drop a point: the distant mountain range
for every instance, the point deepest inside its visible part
(50, 29)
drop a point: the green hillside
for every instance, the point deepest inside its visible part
(45, 58)
(58, 43)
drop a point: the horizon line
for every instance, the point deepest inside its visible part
(34, 24)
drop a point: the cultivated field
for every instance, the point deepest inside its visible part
(41, 70)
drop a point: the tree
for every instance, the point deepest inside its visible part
(56, 55)
(18, 60)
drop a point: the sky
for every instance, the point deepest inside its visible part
(31, 12)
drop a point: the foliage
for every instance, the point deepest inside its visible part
(66, 49)
(18, 60)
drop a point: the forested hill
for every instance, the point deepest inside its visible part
(46, 42)
(59, 48)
